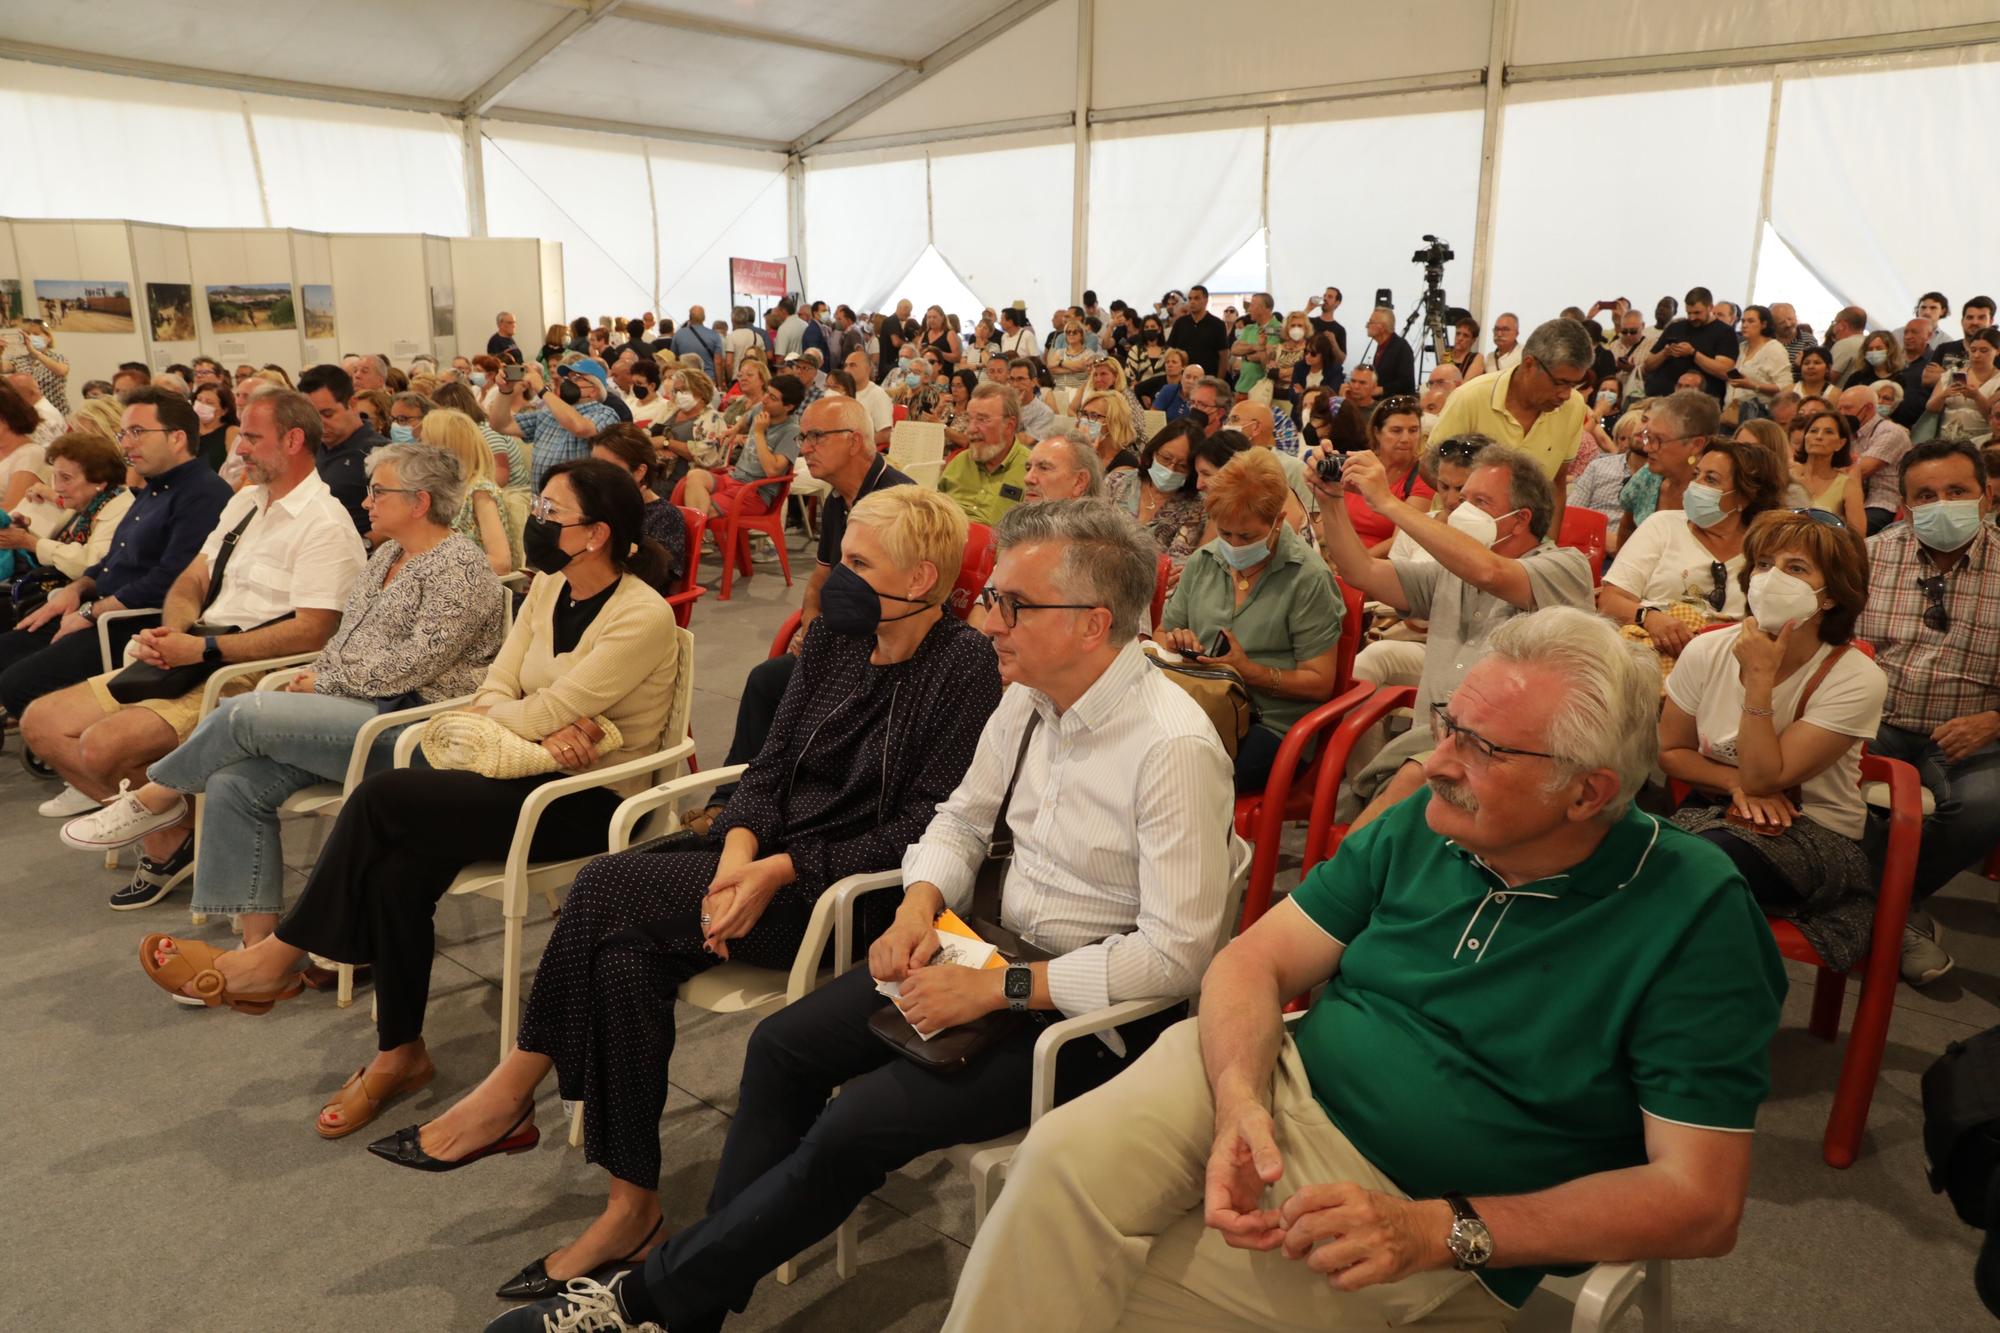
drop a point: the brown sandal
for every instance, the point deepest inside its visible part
(358, 1105)
(193, 962)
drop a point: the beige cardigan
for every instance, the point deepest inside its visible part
(625, 668)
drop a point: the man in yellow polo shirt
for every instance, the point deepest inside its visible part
(989, 476)
(1533, 407)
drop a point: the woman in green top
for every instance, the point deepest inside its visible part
(1259, 593)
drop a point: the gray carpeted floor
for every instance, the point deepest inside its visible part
(162, 1173)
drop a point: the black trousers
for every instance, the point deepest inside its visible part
(395, 849)
(32, 666)
(763, 688)
(796, 1163)
(602, 1007)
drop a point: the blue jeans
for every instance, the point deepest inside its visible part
(1962, 829)
(246, 757)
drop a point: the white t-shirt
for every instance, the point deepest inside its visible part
(657, 407)
(1706, 685)
(881, 412)
(1663, 562)
(1767, 365)
(740, 341)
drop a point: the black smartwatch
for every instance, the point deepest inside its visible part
(1019, 985)
(1470, 1243)
(211, 651)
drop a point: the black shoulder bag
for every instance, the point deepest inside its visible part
(141, 681)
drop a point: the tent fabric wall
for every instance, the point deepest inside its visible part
(588, 191)
(1001, 214)
(1169, 201)
(351, 168)
(866, 224)
(713, 204)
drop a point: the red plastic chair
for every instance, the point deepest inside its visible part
(1586, 530)
(1288, 793)
(974, 568)
(737, 527)
(690, 591)
(1323, 835)
(1160, 591)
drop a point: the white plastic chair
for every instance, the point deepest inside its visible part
(915, 443)
(807, 487)
(1597, 1300)
(510, 882)
(1156, 421)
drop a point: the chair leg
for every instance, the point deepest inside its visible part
(1656, 1298)
(343, 997)
(726, 546)
(1860, 1066)
(1828, 995)
(510, 985)
(576, 1126)
(784, 559)
(788, 1272)
(845, 1245)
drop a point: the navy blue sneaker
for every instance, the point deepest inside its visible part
(153, 880)
(585, 1307)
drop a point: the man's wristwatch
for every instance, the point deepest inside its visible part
(1018, 986)
(211, 651)
(1470, 1243)
(88, 610)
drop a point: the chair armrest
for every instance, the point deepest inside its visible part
(1333, 763)
(375, 727)
(846, 893)
(1042, 1092)
(211, 691)
(1607, 1291)
(625, 820)
(274, 681)
(104, 630)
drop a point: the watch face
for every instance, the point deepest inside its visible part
(1471, 1243)
(1020, 983)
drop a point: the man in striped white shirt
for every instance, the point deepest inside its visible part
(1121, 822)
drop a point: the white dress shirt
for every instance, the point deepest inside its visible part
(301, 553)
(1121, 820)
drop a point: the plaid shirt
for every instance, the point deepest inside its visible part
(551, 444)
(1934, 677)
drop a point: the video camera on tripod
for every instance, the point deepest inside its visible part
(1437, 336)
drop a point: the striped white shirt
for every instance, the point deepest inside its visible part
(1121, 822)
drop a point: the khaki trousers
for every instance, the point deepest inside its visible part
(1100, 1225)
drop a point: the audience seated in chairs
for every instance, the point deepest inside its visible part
(1678, 570)
(634, 450)
(1765, 721)
(1161, 495)
(1119, 815)
(57, 645)
(67, 523)
(346, 437)
(1879, 446)
(595, 639)
(1396, 657)
(878, 726)
(511, 469)
(1933, 618)
(770, 447)
(1492, 561)
(420, 626)
(481, 514)
(1361, 1171)
(269, 582)
(1253, 420)
(1262, 596)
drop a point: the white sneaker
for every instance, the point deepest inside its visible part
(121, 823)
(1924, 958)
(65, 803)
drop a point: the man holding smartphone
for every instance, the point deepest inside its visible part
(1697, 341)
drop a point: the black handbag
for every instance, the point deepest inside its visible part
(27, 592)
(1961, 1098)
(957, 1047)
(141, 681)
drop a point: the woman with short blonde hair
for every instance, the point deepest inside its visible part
(482, 515)
(916, 525)
(1111, 413)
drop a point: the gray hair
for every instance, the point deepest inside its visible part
(1225, 396)
(1561, 342)
(172, 383)
(1693, 413)
(1610, 713)
(1010, 402)
(1895, 391)
(1082, 457)
(1527, 485)
(422, 467)
(1107, 559)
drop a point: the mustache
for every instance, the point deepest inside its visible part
(1455, 794)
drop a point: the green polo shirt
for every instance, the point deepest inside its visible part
(1292, 614)
(1268, 334)
(1502, 1041)
(983, 495)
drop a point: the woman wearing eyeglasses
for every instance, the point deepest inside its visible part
(1765, 722)
(1678, 570)
(1106, 417)
(1395, 432)
(1160, 494)
(877, 726)
(594, 639)
(420, 625)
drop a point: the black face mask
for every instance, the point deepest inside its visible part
(850, 606)
(1853, 422)
(569, 393)
(541, 545)
(641, 390)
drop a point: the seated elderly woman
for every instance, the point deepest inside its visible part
(1765, 721)
(877, 726)
(633, 449)
(594, 639)
(1160, 494)
(1106, 417)
(1678, 570)
(481, 514)
(421, 625)
(1259, 601)
(87, 479)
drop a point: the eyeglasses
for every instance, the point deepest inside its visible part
(1826, 518)
(1091, 416)
(1011, 605)
(377, 492)
(1470, 744)
(544, 508)
(411, 422)
(813, 437)
(1935, 616)
(1717, 596)
(131, 433)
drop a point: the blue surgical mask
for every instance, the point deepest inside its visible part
(478, 378)
(1946, 525)
(1875, 356)
(401, 434)
(1242, 557)
(1703, 505)
(1165, 478)
(38, 342)
(914, 380)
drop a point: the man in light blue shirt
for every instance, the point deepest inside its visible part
(695, 336)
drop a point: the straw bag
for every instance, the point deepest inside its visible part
(475, 743)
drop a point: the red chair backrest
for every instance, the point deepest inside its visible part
(1585, 529)
(1160, 590)
(973, 570)
(697, 522)
(1351, 618)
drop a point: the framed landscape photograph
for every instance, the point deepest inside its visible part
(85, 306)
(252, 307)
(10, 300)
(170, 308)
(318, 299)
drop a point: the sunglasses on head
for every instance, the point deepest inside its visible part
(1826, 518)
(1402, 402)
(1459, 449)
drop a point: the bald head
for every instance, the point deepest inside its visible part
(837, 442)
(1857, 401)
(1254, 419)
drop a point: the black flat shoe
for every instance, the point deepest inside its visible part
(533, 1283)
(405, 1146)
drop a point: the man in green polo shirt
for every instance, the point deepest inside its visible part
(1258, 344)
(1542, 1042)
(989, 476)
